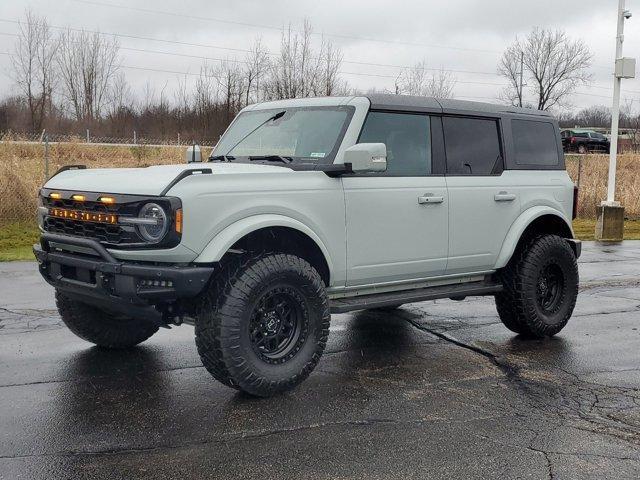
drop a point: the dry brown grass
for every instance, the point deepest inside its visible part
(22, 172)
(22, 168)
(593, 182)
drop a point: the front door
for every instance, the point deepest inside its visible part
(396, 221)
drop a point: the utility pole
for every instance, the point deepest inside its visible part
(615, 110)
(610, 225)
(520, 85)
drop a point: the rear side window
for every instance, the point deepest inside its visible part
(534, 143)
(408, 141)
(472, 146)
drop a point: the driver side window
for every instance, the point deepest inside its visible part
(408, 140)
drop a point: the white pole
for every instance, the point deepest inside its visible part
(615, 110)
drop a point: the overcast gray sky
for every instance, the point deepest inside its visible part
(462, 35)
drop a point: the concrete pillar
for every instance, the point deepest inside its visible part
(610, 224)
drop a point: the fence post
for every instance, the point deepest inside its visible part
(178, 138)
(579, 171)
(135, 137)
(46, 156)
(88, 141)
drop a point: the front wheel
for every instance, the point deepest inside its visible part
(263, 324)
(540, 287)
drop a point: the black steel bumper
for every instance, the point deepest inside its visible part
(94, 275)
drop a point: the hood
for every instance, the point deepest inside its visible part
(145, 181)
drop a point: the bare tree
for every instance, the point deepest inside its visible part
(88, 64)
(511, 66)
(119, 94)
(554, 65)
(631, 123)
(257, 66)
(328, 82)
(231, 83)
(300, 71)
(594, 116)
(33, 66)
(425, 82)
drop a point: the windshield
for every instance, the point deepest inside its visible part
(597, 135)
(309, 133)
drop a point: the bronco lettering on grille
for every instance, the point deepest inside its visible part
(83, 216)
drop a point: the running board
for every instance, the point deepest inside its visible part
(386, 299)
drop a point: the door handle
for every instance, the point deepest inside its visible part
(504, 197)
(429, 198)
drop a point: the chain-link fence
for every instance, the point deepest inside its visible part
(590, 173)
(27, 161)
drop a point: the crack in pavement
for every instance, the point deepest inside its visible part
(585, 402)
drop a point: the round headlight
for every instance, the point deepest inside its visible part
(154, 224)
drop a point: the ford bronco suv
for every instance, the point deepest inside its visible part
(315, 206)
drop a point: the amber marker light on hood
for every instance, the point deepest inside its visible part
(78, 198)
(55, 195)
(108, 200)
(179, 220)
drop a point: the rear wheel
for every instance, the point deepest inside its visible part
(540, 287)
(263, 324)
(102, 328)
(582, 149)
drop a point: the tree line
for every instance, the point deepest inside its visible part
(74, 81)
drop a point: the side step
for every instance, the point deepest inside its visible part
(377, 300)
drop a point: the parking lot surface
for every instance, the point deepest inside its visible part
(437, 389)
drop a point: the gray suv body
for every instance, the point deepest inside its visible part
(313, 206)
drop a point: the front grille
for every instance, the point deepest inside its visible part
(102, 232)
(112, 234)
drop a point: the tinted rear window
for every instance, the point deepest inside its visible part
(472, 146)
(534, 143)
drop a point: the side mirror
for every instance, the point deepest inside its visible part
(367, 157)
(193, 154)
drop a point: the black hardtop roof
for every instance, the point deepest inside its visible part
(430, 104)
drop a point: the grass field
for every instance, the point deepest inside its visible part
(16, 239)
(22, 168)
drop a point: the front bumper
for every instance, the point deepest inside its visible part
(82, 268)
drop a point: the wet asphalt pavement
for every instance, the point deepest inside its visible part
(436, 389)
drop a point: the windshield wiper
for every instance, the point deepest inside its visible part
(272, 117)
(271, 158)
(221, 158)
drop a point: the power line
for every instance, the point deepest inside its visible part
(189, 44)
(201, 45)
(365, 74)
(272, 27)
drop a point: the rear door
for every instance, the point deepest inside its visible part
(483, 199)
(397, 220)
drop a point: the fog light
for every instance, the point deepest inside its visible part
(155, 283)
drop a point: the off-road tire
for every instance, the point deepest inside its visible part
(521, 305)
(100, 327)
(582, 149)
(227, 314)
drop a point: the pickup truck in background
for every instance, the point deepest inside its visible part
(584, 141)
